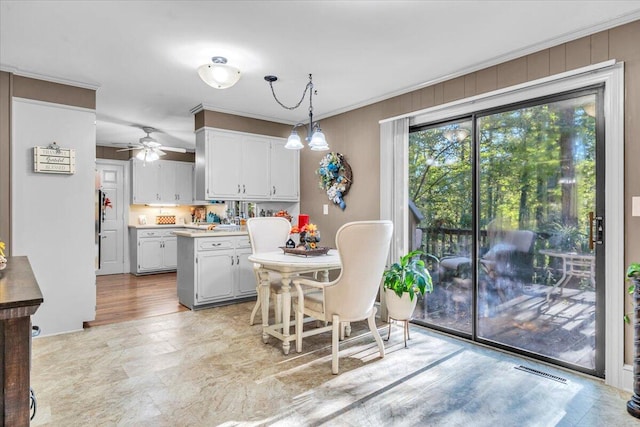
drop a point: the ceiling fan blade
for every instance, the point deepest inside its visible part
(174, 149)
(158, 152)
(129, 149)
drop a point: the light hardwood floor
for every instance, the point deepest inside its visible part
(122, 297)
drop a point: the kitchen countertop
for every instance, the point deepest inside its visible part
(191, 230)
(209, 233)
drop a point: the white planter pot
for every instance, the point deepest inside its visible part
(400, 308)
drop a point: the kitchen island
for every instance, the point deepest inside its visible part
(213, 268)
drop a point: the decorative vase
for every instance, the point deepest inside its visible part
(400, 308)
(633, 405)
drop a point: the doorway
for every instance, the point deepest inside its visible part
(513, 206)
(112, 217)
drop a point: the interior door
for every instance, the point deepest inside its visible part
(111, 214)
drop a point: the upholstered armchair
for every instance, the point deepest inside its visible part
(363, 247)
(268, 234)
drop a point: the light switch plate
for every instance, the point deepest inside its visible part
(325, 209)
(635, 206)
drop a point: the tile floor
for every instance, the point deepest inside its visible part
(209, 368)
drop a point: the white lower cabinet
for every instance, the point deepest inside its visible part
(153, 251)
(214, 270)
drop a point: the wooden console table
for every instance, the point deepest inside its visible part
(20, 297)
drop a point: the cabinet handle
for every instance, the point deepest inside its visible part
(238, 259)
(238, 188)
(231, 259)
(244, 190)
(274, 190)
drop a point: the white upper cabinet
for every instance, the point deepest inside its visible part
(145, 179)
(285, 172)
(239, 166)
(162, 181)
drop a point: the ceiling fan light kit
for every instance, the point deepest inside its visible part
(150, 148)
(315, 137)
(219, 74)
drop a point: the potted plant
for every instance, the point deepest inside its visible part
(633, 274)
(404, 279)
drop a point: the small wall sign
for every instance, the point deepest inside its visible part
(53, 159)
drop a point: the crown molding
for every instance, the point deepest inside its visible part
(52, 79)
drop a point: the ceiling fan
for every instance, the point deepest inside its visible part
(150, 149)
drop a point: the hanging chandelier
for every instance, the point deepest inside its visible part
(315, 138)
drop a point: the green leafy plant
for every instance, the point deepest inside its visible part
(633, 275)
(410, 275)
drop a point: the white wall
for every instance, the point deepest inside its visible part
(53, 214)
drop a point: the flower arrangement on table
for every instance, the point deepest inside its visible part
(335, 177)
(309, 236)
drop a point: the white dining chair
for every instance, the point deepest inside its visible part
(268, 234)
(363, 247)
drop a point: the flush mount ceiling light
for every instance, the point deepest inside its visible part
(218, 74)
(315, 138)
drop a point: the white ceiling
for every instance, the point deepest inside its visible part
(142, 55)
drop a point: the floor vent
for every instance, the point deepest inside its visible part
(542, 374)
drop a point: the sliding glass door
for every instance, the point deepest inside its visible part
(511, 227)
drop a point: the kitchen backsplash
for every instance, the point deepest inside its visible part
(183, 213)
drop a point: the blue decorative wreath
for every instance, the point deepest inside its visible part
(335, 177)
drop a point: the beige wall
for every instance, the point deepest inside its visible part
(356, 133)
(214, 119)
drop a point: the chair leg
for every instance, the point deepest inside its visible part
(374, 331)
(335, 335)
(389, 334)
(255, 309)
(342, 328)
(299, 325)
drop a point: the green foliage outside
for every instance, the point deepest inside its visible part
(536, 170)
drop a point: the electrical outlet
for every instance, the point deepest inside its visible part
(325, 209)
(635, 206)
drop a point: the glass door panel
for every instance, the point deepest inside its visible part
(535, 267)
(440, 219)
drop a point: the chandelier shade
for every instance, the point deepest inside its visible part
(315, 137)
(219, 74)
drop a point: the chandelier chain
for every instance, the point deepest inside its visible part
(304, 94)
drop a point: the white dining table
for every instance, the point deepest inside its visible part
(288, 266)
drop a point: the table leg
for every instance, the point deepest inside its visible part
(265, 291)
(286, 312)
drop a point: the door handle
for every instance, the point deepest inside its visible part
(596, 236)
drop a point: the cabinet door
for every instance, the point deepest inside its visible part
(245, 276)
(224, 159)
(150, 254)
(255, 168)
(284, 172)
(170, 252)
(168, 192)
(184, 183)
(145, 179)
(214, 275)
